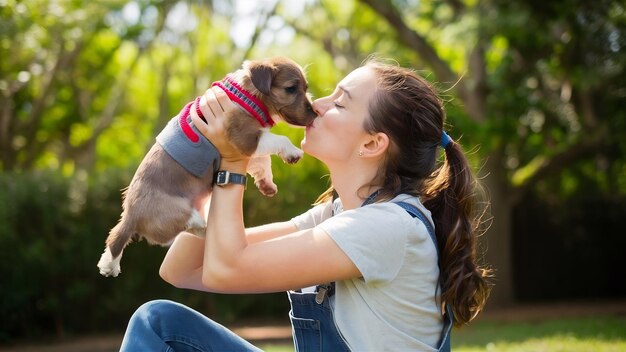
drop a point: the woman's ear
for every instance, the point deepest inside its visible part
(377, 145)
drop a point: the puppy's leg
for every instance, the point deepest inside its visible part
(196, 224)
(270, 143)
(119, 237)
(260, 167)
(108, 265)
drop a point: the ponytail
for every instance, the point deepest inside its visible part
(451, 196)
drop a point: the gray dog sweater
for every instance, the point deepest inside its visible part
(185, 144)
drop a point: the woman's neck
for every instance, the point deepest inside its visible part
(348, 182)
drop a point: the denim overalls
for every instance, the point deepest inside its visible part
(312, 319)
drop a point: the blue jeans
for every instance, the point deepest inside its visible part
(168, 326)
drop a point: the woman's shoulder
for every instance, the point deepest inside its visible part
(409, 199)
(389, 215)
(376, 233)
(410, 202)
(314, 216)
(392, 207)
(382, 216)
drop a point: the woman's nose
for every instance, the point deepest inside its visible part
(319, 107)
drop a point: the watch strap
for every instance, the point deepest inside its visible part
(223, 178)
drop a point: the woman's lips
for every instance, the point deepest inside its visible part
(311, 125)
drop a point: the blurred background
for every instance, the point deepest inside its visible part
(535, 91)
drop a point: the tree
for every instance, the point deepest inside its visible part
(45, 92)
(77, 76)
(560, 58)
(538, 85)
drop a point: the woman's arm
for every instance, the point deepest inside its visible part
(182, 265)
(269, 231)
(231, 264)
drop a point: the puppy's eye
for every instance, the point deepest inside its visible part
(291, 90)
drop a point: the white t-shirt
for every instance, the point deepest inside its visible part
(393, 307)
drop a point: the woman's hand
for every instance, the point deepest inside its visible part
(217, 107)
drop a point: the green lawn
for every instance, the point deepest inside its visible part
(597, 334)
(573, 334)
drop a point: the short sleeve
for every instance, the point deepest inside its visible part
(313, 216)
(374, 237)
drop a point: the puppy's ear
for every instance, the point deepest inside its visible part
(261, 75)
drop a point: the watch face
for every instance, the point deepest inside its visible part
(221, 178)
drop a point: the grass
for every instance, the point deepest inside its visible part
(601, 333)
(598, 334)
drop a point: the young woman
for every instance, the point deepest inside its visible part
(385, 260)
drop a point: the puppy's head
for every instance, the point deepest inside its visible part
(282, 87)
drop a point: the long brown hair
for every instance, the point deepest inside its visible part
(409, 111)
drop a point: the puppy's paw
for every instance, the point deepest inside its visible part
(266, 187)
(292, 155)
(108, 265)
(293, 159)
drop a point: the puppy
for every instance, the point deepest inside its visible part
(175, 178)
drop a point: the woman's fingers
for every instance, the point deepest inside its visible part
(216, 106)
(222, 98)
(207, 129)
(213, 104)
(211, 111)
(219, 100)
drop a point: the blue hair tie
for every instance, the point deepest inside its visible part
(445, 140)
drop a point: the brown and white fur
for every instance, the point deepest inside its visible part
(163, 199)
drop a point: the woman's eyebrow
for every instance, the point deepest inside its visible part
(345, 91)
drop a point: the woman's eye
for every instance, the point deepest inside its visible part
(290, 90)
(337, 105)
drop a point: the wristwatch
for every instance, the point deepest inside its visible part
(223, 178)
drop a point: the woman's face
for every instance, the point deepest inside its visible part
(336, 135)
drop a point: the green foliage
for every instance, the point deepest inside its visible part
(52, 232)
(557, 85)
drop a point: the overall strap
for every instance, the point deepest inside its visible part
(444, 343)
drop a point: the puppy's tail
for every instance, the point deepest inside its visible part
(119, 237)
